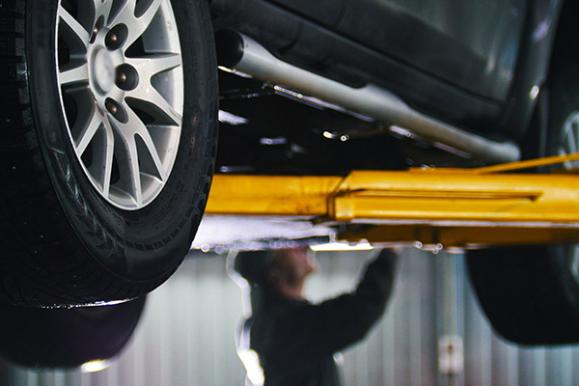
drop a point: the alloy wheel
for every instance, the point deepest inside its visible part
(120, 75)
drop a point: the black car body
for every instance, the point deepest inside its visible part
(477, 65)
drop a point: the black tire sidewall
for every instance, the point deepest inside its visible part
(67, 338)
(563, 99)
(150, 243)
(530, 293)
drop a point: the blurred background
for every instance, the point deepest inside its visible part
(433, 333)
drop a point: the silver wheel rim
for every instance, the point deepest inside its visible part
(575, 265)
(570, 139)
(120, 75)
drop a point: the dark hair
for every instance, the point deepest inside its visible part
(254, 265)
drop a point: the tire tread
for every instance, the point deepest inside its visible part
(39, 266)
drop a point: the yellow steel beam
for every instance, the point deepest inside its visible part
(437, 195)
(413, 195)
(450, 206)
(271, 195)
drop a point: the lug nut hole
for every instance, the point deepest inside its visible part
(116, 110)
(127, 77)
(116, 37)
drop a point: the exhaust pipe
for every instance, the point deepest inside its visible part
(243, 54)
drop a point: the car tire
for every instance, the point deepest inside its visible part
(62, 240)
(530, 294)
(67, 338)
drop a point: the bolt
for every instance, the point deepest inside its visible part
(95, 31)
(113, 109)
(122, 77)
(113, 38)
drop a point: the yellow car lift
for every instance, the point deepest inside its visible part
(449, 207)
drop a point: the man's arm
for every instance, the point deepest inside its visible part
(337, 323)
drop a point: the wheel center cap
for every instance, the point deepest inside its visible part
(103, 71)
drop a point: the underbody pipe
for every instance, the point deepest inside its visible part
(243, 54)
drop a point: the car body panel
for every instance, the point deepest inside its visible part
(326, 12)
(468, 63)
(303, 43)
(471, 44)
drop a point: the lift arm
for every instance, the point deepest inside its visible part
(454, 207)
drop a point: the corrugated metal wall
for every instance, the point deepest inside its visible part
(187, 334)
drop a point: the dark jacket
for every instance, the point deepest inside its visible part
(296, 340)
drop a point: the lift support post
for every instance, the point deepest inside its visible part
(452, 207)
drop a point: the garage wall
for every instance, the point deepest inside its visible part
(187, 334)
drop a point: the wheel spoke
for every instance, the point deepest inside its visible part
(135, 170)
(141, 130)
(153, 65)
(129, 131)
(109, 153)
(575, 264)
(74, 75)
(571, 140)
(94, 124)
(575, 135)
(146, 94)
(136, 26)
(102, 8)
(148, 97)
(125, 14)
(74, 26)
(129, 158)
(152, 150)
(144, 21)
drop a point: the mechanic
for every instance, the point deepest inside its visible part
(294, 339)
